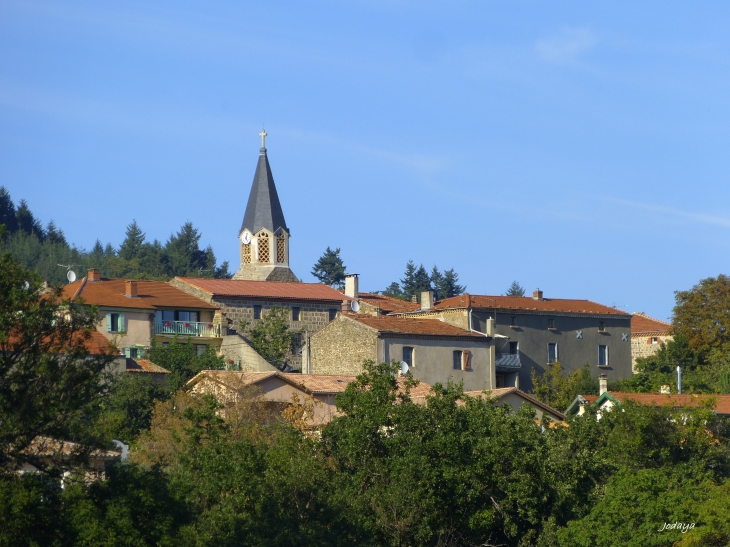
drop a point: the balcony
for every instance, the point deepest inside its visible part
(188, 328)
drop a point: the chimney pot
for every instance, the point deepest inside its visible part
(537, 294)
(426, 300)
(130, 289)
(94, 274)
(352, 288)
(602, 384)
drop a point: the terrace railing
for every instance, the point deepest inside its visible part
(188, 328)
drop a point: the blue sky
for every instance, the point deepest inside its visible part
(577, 147)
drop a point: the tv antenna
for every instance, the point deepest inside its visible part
(201, 270)
(70, 274)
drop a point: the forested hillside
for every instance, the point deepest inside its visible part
(42, 249)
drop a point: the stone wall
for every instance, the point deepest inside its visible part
(643, 346)
(342, 346)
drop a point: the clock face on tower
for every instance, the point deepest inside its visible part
(245, 238)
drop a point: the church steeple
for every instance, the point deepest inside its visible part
(264, 236)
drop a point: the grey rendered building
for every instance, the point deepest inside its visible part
(531, 332)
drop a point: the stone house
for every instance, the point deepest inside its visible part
(531, 332)
(647, 335)
(134, 312)
(310, 307)
(433, 350)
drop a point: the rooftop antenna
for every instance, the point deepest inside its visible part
(201, 270)
(70, 274)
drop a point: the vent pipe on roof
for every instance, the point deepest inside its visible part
(679, 380)
(602, 384)
(351, 286)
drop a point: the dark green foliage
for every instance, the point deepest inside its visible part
(48, 383)
(42, 250)
(183, 361)
(515, 289)
(330, 269)
(416, 280)
(558, 390)
(127, 411)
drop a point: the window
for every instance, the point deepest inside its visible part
(333, 314)
(457, 359)
(168, 315)
(512, 321)
(552, 352)
(114, 322)
(602, 356)
(500, 380)
(601, 326)
(408, 356)
(655, 340)
(514, 348)
(133, 353)
(257, 312)
(200, 349)
(551, 323)
(187, 316)
(295, 314)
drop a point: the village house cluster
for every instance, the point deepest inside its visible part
(487, 342)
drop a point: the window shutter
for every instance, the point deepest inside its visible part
(606, 354)
(121, 325)
(127, 352)
(466, 356)
(557, 355)
(108, 322)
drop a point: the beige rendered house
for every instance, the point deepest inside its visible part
(134, 312)
(433, 351)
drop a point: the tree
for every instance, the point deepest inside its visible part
(54, 235)
(394, 291)
(183, 255)
(415, 281)
(271, 337)
(7, 211)
(515, 289)
(133, 242)
(702, 314)
(183, 361)
(449, 285)
(558, 390)
(49, 383)
(330, 269)
(27, 222)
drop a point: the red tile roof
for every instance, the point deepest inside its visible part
(402, 325)
(150, 295)
(266, 289)
(675, 400)
(526, 303)
(145, 366)
(388, 304)
(642, 324)
(502, 391)
(95, 344)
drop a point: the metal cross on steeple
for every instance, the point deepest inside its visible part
(263, 135)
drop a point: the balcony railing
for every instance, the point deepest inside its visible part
(188, 328)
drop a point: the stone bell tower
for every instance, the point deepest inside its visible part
(264, 237)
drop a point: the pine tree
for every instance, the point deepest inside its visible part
(451, 284)
(54, 235)
(438, 283)
(415, 281)
(27, 222)
(515, 289)
(393, 290)
(330, 269)
(7, 212)
(182, 253)
(132, 245)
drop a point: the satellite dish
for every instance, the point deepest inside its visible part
(71, 276)
(355, 306)
(404, 368)
(26, 285)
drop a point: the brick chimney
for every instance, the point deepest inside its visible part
(130, 289)
(602, 384)
(352, 286)
(93, 275)
(426, 300)
(537, 294)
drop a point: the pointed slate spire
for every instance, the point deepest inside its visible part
(263, 209)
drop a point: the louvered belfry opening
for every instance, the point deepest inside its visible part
(263, 240)
(246, 253)
(281, 248)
